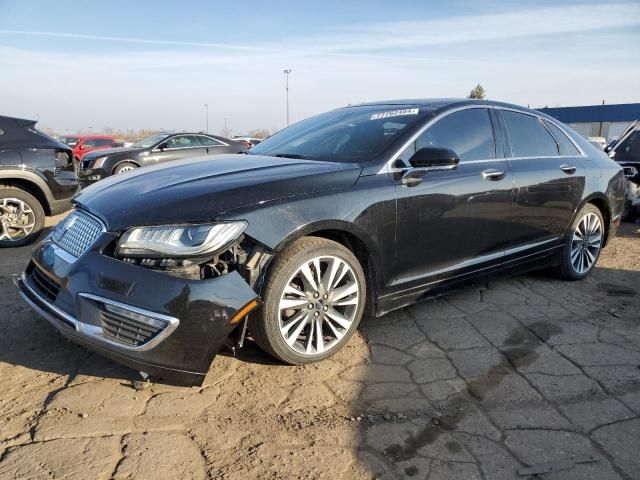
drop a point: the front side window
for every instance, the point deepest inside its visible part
(468, 133)
(103, 142)
(354, 134)
(528, 137)
(182, 141)
(89, 143)
(565, 146)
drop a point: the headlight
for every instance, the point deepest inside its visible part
(179, 241)
(98, 162)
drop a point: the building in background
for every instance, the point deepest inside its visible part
(607, 121)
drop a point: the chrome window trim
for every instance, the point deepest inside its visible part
(388, 166)
(542, 120)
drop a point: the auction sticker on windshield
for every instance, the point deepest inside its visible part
(395, 113)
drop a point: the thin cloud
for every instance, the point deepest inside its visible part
(135, 40)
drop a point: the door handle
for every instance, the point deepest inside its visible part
(568, 169)
(493, 174)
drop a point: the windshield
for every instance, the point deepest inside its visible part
(345, 135)
(71, 141)
(150, 141)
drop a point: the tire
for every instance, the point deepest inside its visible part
(124, 167)
(11, 200)
(337, 317)
(577, 249)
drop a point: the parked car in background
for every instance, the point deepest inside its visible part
(373, 207)
(162, 147)
(37, 178)
(83, 144)
(599, 142)
(626, 151)
(248, 141)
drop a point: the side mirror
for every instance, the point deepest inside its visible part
(81, 147)
(435, 158)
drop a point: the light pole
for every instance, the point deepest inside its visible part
(287, 71)
(206, 109)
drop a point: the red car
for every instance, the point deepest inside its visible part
(82, 144)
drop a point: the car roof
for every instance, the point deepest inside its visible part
(443, 103)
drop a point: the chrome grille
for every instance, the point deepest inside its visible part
(127, 330)
(77, 232)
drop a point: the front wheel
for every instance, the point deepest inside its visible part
(583, 245)
(21, 217)
(124, 167)
(314, 298)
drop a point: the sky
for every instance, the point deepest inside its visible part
(154, 64)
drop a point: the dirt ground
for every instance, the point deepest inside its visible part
(476, 385)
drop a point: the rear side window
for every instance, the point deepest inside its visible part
(208, 141)
(528, 137)
(467, 132)
(565, 145)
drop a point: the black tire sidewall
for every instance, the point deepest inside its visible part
(275, 285)
(38, 212)
(567, 269)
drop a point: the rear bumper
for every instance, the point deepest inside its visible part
(196, 313)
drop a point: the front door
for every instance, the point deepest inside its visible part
(178, 147)
(456, 220)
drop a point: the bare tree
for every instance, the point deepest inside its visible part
(259, 133)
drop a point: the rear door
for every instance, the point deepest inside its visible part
(549, 178)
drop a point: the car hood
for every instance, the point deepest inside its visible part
(199, 189)
(110, 151)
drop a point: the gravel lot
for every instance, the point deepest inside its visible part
(476, 385)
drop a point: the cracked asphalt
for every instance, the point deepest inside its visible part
(479, 384)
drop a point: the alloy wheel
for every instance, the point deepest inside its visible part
(17, 219)
(126, 168)
(586, 243)
(318, 305)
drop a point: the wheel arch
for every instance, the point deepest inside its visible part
(601, 202)
(347, 235)
(30, 183)
(120, 162)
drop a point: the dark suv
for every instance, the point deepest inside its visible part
(365, 208)
(162, 147)
(37, 178)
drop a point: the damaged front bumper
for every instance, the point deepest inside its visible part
(151, 321)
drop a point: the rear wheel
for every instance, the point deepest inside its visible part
(583, 245)
(124, 167)
(314, 298)
(21, 217)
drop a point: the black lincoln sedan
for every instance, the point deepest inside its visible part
(158, 148)
(362, 209)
